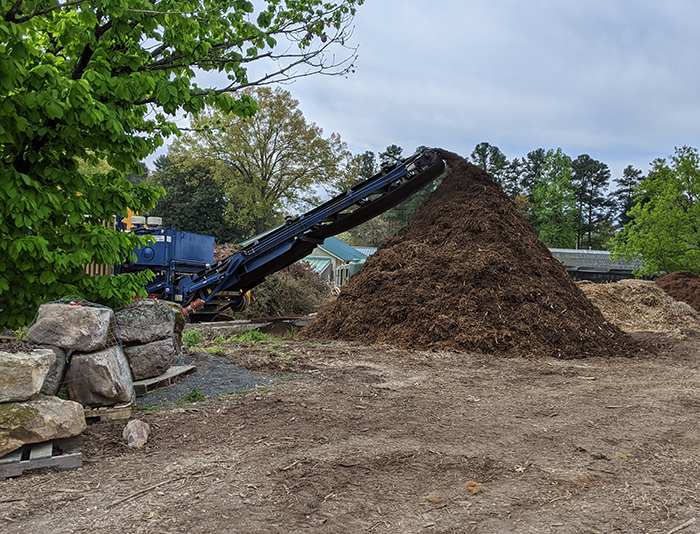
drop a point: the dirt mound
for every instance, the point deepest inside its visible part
(224, 250)
(683, 286)
(639, 305)
(468, 274)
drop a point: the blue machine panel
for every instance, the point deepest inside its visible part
(193, 247)
(174, 245)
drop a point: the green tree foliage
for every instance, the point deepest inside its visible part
(194, 201)
(591, 179)
(375, 231)
(531, 170)
(664, 230)
(136, 178)
(392, 154)
(269, 164)
(623, 196)
(553, 211)
(99, 82)
(367, 166)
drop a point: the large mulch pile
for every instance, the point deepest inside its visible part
(640, 305)
(683, 286)
(468, 274)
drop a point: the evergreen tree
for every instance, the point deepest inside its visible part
(590, 179)
(194, 201)
(531, 170)
(492, 160)
(623, 196)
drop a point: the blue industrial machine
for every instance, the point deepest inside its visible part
(184, 265)
(172, 253)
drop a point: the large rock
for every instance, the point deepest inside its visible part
(100, 378)
(53, 380)
(22, 374)
(81, 328)
(151, 359)
(41, 419)
(146, 321)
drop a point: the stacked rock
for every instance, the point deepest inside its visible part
(26, 414)
(151, 335)
(98, 372)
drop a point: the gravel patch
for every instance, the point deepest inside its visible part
(214, 375)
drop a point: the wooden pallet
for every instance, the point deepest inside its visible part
(172, 375)
(108, 413)
(62, 453)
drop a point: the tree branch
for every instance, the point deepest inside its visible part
(85, 57)
(10, 16)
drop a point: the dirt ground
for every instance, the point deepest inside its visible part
(376, 439)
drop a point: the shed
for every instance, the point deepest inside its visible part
(344, 260)
(322, 266)
(594, 265)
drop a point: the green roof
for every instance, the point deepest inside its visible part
(317, 264)
(341, 250)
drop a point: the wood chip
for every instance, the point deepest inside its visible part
(684, 525)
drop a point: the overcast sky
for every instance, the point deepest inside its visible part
(616, 79)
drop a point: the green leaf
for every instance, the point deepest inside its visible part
(53, 110)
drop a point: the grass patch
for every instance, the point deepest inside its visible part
(191, 338)
(254, 335)
(193, 396)
(292, 333)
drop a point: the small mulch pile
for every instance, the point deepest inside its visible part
(640, 305)
(468, 274)
(224, 250)
(683, 286)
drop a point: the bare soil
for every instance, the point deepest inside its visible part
(583, 428)
(378, 439)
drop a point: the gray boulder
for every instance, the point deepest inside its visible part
(22, 374)
(100, 378)
(146, 321)
(41, 419)
(53, 380)
(151, 359)
(82, 328)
